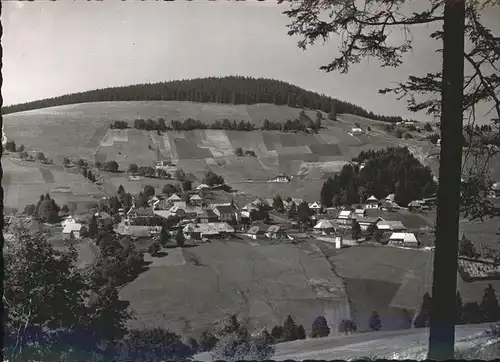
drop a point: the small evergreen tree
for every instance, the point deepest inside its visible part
(278, 203)
(489, 305)
(355, 230)
(277, 333)
(423, 318)
(460, 310)
(289, 329)
(301, 332)
(320, 328)
(179, 238)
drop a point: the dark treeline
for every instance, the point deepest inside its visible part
(393, 170)
(228, 90)
(302, 123)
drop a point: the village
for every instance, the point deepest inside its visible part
(276, 219)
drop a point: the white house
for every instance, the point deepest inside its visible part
(247, 209)
(314, 206)
(173, 199)
(403, 239)
(68, 220)
(390, 198)
(324, 225)
(371, 202)
(72, 228)
(202, 186)
(281, 178)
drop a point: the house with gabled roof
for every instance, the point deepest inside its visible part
(207, 230)
(72, 229)
(174, 198)
(372, 203)
(366, 222)
(315, 206)
(275, 232)
(247, 209)
(202, 186)
(390, 197)
(207, 216)
(344, 219)
(391, 225)
(255, 232)
(196, 200)
(404, 239)
(227, 213)
(281, 178)
(324, 225)
(136, 212)
(415, 205)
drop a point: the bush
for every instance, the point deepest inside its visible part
(154, 248)
(375, 323)
(320, 328)
(207, 341)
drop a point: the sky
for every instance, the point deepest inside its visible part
(55, 48)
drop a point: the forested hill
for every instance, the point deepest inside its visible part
(231, 90)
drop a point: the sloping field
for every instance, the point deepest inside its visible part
(393, 280)
(309, 190)
(24, 184)
(265, 283)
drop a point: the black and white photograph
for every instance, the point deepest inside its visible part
(224, 180)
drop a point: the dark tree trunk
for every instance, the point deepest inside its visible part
(442, 327)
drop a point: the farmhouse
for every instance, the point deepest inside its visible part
(208, 216)
(404, 239)
(174, 199)
(415, 205)
(275, 232)
(366, 222)
(344, 219)
(72, 229)
(388, 205)
(198, 231)
(371, 203)
(325, 226)
(281, 178)
(356, 131)
(247, 209)
(227, 213)
(255, 232)
(68, 220)
(196, 200)
(202, 186)
(186, 211)
(136, 212)
(315, 206)
(390, 198)
(391, 225)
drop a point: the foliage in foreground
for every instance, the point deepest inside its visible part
(58, 311)
(234, 342)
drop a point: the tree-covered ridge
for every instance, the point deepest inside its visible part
(228, 90)
(390, 171)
